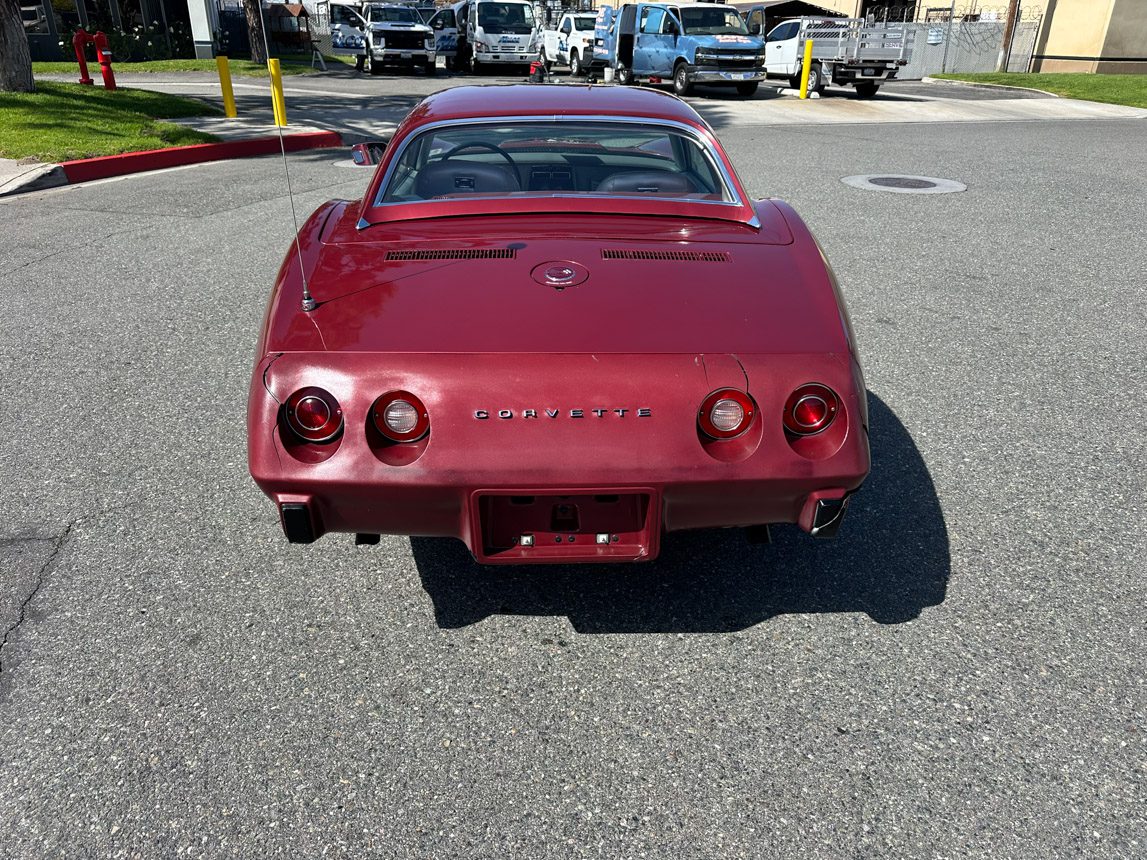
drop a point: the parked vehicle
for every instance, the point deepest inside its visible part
(686, 43)
(480, 33)
(845, 51)
(381, 34)
(571, 44)
(446, 27)
(348, 30)
(555, 326)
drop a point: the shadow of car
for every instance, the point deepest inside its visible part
(890, 561)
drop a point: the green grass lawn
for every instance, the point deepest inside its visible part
(240, 67)
(1113, 89)
(60, 122)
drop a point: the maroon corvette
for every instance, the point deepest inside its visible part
(555, 327)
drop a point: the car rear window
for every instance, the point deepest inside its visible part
(516, 158)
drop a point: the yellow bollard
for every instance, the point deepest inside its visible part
(805, 66)
(277, 93)
(224, 67)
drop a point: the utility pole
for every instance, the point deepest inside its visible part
(948, 37)
(1009, 32)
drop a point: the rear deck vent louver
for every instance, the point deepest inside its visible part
(686, 256)
(454, 254)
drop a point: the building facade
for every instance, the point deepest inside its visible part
(1106, 36)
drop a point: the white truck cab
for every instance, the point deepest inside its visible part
(571, 43)
(381, 34)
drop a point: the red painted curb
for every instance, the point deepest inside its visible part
(87, 169)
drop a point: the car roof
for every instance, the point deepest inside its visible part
(542, 100)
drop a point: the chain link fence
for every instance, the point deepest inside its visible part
(966, 46)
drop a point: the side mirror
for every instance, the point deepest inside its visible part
(368, 153)
(439, 24)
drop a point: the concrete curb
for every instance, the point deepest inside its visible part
(928, 80)
(88, 169)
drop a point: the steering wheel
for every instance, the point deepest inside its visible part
(479, 144)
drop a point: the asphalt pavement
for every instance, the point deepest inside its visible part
(960, 674)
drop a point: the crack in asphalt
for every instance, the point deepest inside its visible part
(41, 576)
(9, 272)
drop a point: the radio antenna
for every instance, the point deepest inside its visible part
(308, 303)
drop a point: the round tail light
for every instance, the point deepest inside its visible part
(810, 409)
(726, 413)
(313, 415)
(400, 417)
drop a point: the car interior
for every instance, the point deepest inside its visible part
(566, 158)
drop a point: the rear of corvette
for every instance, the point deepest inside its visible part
(556, 390)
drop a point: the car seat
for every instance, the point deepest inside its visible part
(454, 176)
(646, 182)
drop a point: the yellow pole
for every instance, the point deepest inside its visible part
(277, 92)
(224, 67)
(805, 66)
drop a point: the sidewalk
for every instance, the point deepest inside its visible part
(24, 175)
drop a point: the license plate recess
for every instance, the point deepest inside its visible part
(548, 527)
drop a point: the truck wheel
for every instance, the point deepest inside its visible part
(576, 71)
(681, 84)
(816, 82)
(866, 89)
(747, 88)
(624, 74)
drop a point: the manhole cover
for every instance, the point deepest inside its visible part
(902, 184)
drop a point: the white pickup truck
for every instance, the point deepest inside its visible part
(380, 34)
(571, 44)
(845, 51)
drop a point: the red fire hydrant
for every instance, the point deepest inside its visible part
(79, 41)
(103, 53)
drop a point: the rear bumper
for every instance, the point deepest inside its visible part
(489, 475)
(857, 74)
(487, 522)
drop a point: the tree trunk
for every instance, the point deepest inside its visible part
(254, 30)
(15, 60)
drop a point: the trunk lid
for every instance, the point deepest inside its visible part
(686, 289)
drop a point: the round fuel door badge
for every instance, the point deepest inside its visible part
(560, 274)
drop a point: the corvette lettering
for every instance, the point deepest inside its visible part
(600, 412)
